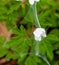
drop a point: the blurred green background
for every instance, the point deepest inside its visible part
(18, 17)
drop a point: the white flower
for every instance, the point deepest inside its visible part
(32, 1)
(39, 33)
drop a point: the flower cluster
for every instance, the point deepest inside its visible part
(32, 1)
(39, 33)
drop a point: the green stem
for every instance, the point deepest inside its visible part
(37, 48)
(35, 15)
(37, 53)
(44, 58)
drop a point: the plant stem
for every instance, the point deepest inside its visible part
(37, 53)
(35, 15)
(44, 58)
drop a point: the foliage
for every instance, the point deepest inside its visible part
(19, 18)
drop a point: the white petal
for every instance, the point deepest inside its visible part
(39, 33)
(37, 38)
(43, 34)
(31, 2)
